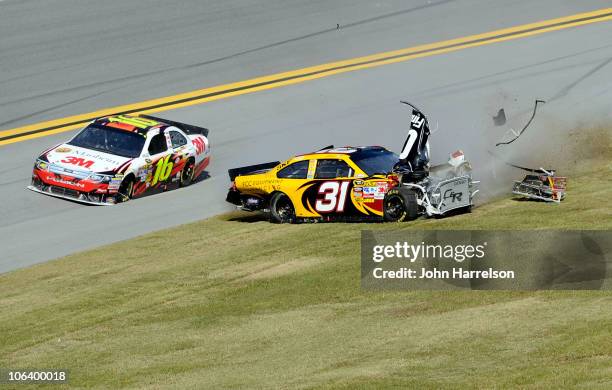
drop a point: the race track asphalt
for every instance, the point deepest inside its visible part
(66, 57)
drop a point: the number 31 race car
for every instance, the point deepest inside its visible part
(117, 158)
(357, 183)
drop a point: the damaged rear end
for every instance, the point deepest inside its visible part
(244, 193)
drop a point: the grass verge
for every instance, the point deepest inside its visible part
(234, 301)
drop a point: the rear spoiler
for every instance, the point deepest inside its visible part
(188, 129)
(233, 173)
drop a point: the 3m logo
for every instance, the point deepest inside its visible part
(78, 161)
(199, 145)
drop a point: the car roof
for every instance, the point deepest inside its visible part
(350, 151)
(130, 123)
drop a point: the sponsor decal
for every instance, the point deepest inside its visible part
(199, 145)
(381, 190)
(452, 195)
(96, 156)
(374, 192)
(358, 182)
(78, 161)
(115, 182)
(62, 181)
(62, 149)
(145, 171)
(311, 169)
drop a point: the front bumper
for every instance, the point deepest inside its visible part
(58, 193)
(82, 191)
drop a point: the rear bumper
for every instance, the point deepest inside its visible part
(246, 202)
(233, 197)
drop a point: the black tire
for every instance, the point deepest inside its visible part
(126, 190)
(400, 204)
(187, 174)
(281, 209)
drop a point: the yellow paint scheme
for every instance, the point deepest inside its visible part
(264, 184)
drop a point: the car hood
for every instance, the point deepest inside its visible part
(81, 159)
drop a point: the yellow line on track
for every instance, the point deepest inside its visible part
(301, 75)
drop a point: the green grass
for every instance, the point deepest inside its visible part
(234, 301)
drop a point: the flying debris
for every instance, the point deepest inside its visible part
(500, 118)
(512, 135)
(541, 184)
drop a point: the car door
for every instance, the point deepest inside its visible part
(158, 151)
(182, 150)
(330, 194)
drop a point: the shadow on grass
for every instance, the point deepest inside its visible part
(530, 200)
(243, 216)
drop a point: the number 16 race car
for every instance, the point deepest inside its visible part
(357, 183)
(117, 158)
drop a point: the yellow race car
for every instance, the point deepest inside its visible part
(358, 183)
(349, 183)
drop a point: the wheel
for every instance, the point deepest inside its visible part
(187, 173)
(400, 205)
(126, 190)
(281, 209)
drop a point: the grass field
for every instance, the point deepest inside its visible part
(235, 301)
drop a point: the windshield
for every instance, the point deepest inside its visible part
(375, 160)
(109, 140)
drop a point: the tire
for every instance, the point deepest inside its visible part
(126, 190)
(281, 209)
(187, 174)
(400, 204)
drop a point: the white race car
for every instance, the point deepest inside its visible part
(116, 158)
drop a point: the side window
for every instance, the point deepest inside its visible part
(297, 170)
(177, 139)
(331, 169)
(158, 144)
